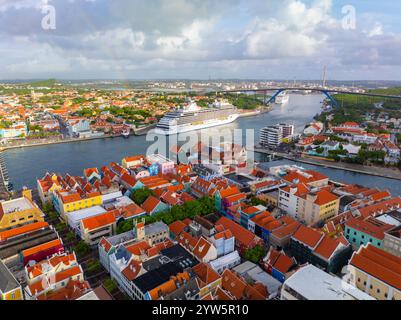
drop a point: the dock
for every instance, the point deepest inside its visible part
(5, 185)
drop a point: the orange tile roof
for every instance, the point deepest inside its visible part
(233, 284)
(309, 177)
(250, 210)
(379, 264)
(241, 234)
(68, 273)
(370, 226)
(41, 247)
(105, 244)
(150, 204)
(327, 247)
(381, 207)
(177, 227)
(308, 236)
(132, 270)
(283, 263)
(134, 158)
(229, 191)
(324, 197)
(169, 286)
(205, 274)
(236, 197)
(202, 248)
(5, 235)
(71, 197)
(99, 221)
(139, 248)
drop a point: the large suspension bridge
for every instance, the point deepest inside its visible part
(326, 91)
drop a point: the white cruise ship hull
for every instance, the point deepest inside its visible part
(176, 129)
(282, 99)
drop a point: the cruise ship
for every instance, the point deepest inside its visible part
(191, 117)
(282, 98)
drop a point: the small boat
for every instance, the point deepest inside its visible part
(125, 134)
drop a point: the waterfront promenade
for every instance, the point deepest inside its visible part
(390, 173)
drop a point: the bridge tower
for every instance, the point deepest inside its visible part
(324, 77)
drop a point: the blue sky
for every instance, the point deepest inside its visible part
(138, 39)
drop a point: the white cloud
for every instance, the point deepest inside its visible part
(134, 38)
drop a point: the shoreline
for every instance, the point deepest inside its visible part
(337, 166)
(136, 132)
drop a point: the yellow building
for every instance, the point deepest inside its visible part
(47, 186)
(18, 212)
(10, 289)
(130, 162)
(376, 272)
(306, 204)
(67, 201)
(208, 279)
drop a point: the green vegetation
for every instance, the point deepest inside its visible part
(244, 101)
(70, 236)
(319, 150)
(82, 248)
(94, 266)
(255, 201)
(110, 284)
(61, 227)
(255, 254)
(140, 195)
(5, 124)
(354, 107)
(43, 83)
(190, 209)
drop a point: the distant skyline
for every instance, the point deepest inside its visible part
(200, 39)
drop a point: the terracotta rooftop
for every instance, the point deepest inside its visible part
(379, 264)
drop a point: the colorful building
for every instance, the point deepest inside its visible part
(94, 228)
(361, 232)
(10, 289)
(376, 272)
(66, 202)
(19, 212)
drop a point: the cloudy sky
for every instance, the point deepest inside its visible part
(198, 39)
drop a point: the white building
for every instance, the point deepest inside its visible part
(75, 217)
(311, 283)
(272, 136)
(228, 261)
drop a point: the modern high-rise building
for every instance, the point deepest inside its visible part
(272, 136)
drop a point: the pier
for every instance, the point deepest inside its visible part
(5, 185)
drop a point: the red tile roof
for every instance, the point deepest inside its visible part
(5, 235)
(241, 234)
(99, 221)
(381, 207)
(205, 274)
(307, 236)
(202, 248)
(379, 264)
(177, 227)
(150, 204)
(370, 226)
(327, 247)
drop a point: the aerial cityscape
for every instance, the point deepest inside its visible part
(200, 151)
